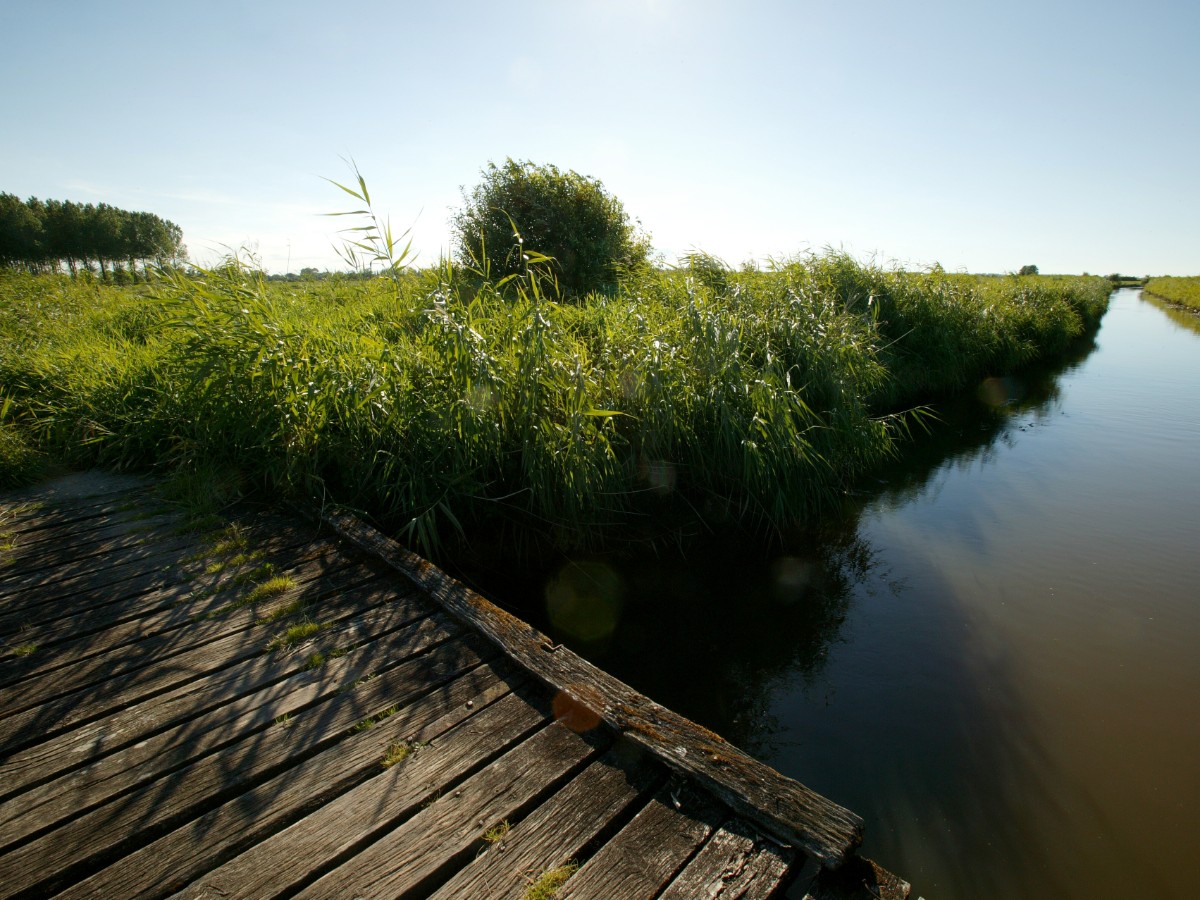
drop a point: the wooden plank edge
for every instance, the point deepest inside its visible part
(781, 806)
(859, 879)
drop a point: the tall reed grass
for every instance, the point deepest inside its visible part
(440, 403)
(1184, 291)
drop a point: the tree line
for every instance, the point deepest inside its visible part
(46, 235)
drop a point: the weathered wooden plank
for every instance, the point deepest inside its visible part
(557, 831)
(787, 810)
(181, 591)
(22, 543)
(413, 857)
(40, 603)
(220, 696)
(187, 853)
(66, 669)
(115, 594)
(284, 861)
(859, 879)
(644, 855)
(114, 828)
(42, 514)
(346, 616)
(42, 807)
(82, 556)
(90, 573)
(135, 555)
(59, 498)
(737, 863)
(154, 639)
(49, 544)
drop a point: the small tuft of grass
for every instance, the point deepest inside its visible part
(25, 649)
(295, 634)
(398, 751)
(284, 721)
(229, 539)
(269, 588)
(497, 832)
(314, 661)
(547, 884)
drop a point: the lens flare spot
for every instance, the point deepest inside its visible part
(584, 601)
(996, 392)
(480, 398)
(659, 474)
(573, 712)
(790, 578)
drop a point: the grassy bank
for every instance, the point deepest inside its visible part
(439, 404)
(1184, 291)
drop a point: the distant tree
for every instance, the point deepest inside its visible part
(563, 215)
(1028, 270)
(20, 232)
(44, 235)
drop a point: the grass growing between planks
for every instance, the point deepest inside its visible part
(439, 402)
(547, 884)
(1184, 291)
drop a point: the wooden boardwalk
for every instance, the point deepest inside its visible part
(282, 708)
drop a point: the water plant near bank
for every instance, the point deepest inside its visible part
(438, 402)
(1184, 291)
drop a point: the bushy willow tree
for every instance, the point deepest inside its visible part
(41, 235)
(564, 215)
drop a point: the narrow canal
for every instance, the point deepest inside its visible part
(993, 658)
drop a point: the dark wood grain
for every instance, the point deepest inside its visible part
(236, 826)
(285, 861)
(645, 855)
(122, 824)
(348, 617)
(735, 864)
(109, 776)
(111, 725)
(410, 858)
(559, 829)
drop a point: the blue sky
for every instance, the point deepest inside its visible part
(982, 136)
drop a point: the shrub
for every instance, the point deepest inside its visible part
(564, 215)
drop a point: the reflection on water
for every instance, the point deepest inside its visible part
(991, 657)
(1188, 318)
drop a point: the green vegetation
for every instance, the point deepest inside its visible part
(441, 403)
(546, 885)
(1184, 291)
(497, 832)
(520, 209)
(42, 236)
(396, 752)
(294, 634)
(20, 463)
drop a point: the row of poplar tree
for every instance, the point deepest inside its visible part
(46, 235)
